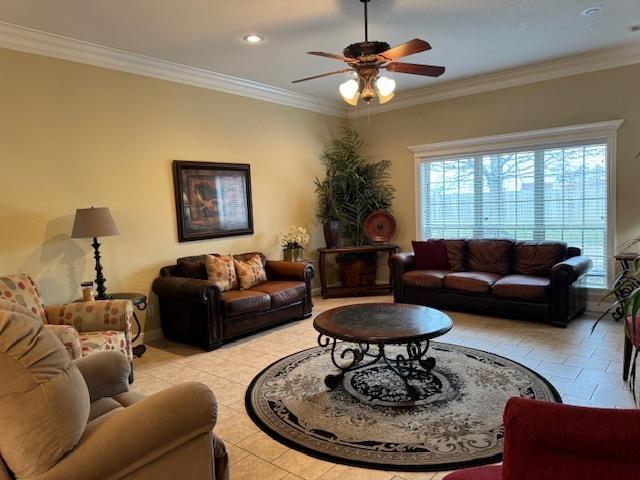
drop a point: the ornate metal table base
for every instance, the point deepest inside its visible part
(409, 365)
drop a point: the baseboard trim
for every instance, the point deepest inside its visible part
(150, 336)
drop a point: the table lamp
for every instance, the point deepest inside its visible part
(94, 223)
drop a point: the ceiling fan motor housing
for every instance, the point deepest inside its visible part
(357, 50)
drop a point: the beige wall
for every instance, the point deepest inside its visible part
(593, 97)
(73, 136)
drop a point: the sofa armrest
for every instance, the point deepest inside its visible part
(69, 338)
(573, 268)
(161, 423)
(105, 373)
(403, 262)
(95, 316)
(192, 289)
(399, 263)
(296, 271)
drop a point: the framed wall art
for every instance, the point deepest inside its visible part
(213, 200)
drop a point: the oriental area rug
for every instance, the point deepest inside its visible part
(368, 419)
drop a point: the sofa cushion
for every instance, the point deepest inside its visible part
(250, 271)
(239, 302)
(538, 258)
(521, 287)
(492, 256)
(282, 293)
(44, 400)
(103, 340)
(424, 278)
(430, 255)
(455, 254)
(221, 270)
(475, 282)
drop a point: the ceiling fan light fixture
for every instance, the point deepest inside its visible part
(365, 60)
(349, 91)
(385, 98)
(385, 86)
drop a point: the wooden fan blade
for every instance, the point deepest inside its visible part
(335, 56)
(415, 69)
(322, 75)
(408, 48)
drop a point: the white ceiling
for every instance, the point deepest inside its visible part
(469, 37)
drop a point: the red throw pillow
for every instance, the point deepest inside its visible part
(431, 255)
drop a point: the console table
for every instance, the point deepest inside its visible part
(332, 292)
(625, 260)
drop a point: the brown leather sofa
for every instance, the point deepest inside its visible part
(534, 280)
(193, 310)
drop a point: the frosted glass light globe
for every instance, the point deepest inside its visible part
(348, 89)
(385, 86)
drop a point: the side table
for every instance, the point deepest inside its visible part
(139, 301)
(625, 260)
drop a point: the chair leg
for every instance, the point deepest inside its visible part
(131, 374)
(626, 362)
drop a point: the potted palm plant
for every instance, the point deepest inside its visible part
(352, 189)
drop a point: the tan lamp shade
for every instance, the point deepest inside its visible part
(94, 222)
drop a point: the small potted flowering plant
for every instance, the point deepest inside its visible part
(293, 242)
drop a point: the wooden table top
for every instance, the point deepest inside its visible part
(383, 323)
(359, 249)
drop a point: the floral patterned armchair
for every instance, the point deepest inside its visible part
(82, 327)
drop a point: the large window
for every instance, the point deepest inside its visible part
(553, 192)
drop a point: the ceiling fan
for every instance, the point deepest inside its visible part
(367, 58)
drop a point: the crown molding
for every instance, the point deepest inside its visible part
(16, 37)
(563, 67)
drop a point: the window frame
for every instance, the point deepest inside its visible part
(604, 132)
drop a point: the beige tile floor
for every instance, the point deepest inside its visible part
(585, 368)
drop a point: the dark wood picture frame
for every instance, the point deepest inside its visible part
(203, 190)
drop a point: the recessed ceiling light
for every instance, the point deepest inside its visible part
(253, 38)
(589, 12)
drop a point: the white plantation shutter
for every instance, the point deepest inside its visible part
(550, 193)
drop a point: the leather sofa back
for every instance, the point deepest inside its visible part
(194, 267)
(503, 256)
(456, 254)
(538, 258)
(487, 255)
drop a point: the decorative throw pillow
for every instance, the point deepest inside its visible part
(221, 271)
(250, 272)
(431, 255)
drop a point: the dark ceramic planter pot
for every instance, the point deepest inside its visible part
(331, 233)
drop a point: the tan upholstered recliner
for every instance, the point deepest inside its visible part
(63, 419)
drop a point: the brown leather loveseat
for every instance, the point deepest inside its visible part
(194, 310)
(536, 280)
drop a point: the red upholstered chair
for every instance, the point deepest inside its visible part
(551, 441)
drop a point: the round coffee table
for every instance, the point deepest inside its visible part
(369, 327)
